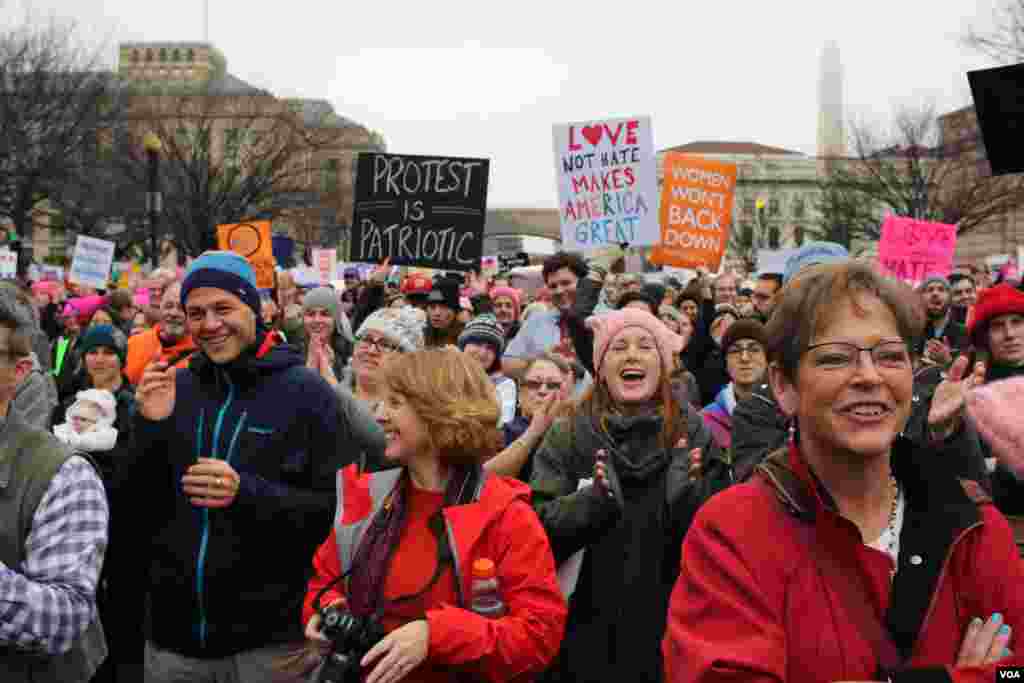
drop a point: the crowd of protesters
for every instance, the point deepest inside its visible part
(813, 475)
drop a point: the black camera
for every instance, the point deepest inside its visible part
(351, 638)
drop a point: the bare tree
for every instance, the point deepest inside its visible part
(908, 170)
(1004, 41)
(54, 101)
(226, 158)
(747, 238)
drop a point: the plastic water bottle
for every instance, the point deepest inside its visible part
(486, 599)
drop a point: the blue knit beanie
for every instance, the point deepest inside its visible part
(224, 270)
(814, 253)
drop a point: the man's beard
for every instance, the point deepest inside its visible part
(934, 315)
(170, 335)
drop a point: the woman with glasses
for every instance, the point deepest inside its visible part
(746, 363)
(852, 554)
(385, 333)
(546, 385)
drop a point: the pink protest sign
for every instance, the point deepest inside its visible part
(912, 250)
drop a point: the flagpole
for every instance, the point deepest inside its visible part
(206, 21)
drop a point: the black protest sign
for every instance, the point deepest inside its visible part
(420, 211)
(999, 105)
(508, 262)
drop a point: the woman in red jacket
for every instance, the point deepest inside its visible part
(852, 555)
(406, 539)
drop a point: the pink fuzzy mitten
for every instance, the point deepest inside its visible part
(995, 410)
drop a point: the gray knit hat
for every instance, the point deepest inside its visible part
(17, 303)
(484, 328)
(321, 297)
(403, 326)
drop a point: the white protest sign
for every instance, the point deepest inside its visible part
(90, 265)
(326, 263)
(8, 264)
(773, 260)
(607, 183)
(305, 276)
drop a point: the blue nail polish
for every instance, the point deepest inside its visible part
(1004, 630)
(996, 618)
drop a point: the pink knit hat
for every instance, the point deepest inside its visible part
(508, 293)
(994, 409)
(607, 326)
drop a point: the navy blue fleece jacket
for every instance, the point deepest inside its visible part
(222, 581)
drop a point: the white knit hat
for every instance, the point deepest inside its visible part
(102, 399)
(403, 326)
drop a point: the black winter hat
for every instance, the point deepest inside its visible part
(445, 291)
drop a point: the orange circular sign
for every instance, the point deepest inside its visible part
(244, 239)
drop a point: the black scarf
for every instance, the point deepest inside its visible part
(638, 452)
(373, 557)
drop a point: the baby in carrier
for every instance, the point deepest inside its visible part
(90, 422)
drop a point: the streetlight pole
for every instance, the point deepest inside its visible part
(154, 199)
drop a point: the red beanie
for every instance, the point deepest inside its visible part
(992, 303)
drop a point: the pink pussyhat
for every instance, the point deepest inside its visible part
(509, 293)
(607, 326)
(994, 410)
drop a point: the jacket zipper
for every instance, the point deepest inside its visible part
(205, 524)
(942, 575)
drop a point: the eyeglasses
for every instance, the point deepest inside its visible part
(535, 385)
(749, 349)
(381, 345)
(890, 355)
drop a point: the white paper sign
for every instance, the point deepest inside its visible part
(90, 265)
(607, 183)
(773, 260)
(8, 264)
(326, 263)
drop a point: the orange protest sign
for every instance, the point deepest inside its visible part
(251, 240)
(696, 211)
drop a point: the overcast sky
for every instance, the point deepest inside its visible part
(486, 78)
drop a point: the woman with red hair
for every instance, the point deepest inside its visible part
(408, 540)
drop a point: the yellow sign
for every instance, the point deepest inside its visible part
(251, 240)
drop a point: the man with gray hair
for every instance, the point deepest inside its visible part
(168, 341)
(725, 289)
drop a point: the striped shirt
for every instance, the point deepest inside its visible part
(48, 602)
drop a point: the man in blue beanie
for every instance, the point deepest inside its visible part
(250, 441)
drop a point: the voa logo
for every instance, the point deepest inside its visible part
(1010, 675)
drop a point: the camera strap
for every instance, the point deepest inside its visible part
(445, 558)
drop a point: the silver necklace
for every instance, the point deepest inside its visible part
(893, 535)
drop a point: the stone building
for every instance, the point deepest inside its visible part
(1003, 233)
(786, 181)
(169, 77)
